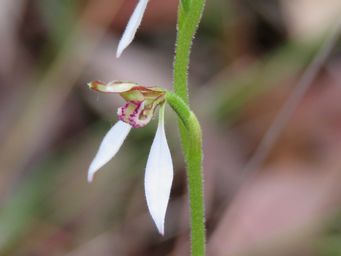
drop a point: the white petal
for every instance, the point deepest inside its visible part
(159, 176)
(133, 24)
(112, 87)
(111, 143)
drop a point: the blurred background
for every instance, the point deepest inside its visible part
(248, 57)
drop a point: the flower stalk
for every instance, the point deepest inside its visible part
(193, 159)
(189, 16)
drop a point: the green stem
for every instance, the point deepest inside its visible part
(188, 21)
(194, 171)
(189, 16)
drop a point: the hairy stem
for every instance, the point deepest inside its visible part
(189, 16)
(188, 21)
(194, 171)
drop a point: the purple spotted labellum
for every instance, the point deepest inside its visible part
(141, 103)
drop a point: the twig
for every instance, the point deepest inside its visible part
(291, 104)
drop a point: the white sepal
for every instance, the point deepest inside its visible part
(111, 143)
(133, 24)
(159, 175)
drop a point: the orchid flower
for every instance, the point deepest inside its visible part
(133, 24)
(141, 103)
